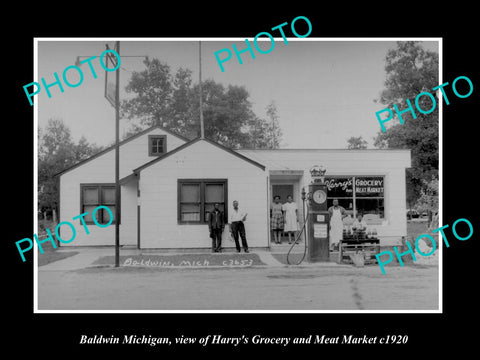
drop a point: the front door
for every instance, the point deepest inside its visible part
(282, 190)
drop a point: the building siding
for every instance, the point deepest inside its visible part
(388, 163)
(246, 183)
(101, 169)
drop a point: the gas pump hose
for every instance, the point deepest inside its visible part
(302, 231)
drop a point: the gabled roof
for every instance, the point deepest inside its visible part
(180, 148)
(143, 132)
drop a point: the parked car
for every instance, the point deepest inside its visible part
(412, 214)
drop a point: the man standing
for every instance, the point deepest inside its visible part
(236, 226)
(216, 224)
(337, 213)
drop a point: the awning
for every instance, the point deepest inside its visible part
(285, 174)
(127, 179)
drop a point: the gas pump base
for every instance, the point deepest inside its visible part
(318, 246)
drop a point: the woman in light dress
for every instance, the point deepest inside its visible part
(291, 218)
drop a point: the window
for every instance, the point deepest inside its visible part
(340, 188)
(157, 145)
(358, 194)
(197, 197)
(93, 195)
(369, 197)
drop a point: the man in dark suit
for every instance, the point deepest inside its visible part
(216, 225)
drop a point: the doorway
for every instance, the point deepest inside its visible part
(282, 190)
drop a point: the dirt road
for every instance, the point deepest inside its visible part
(261, 288)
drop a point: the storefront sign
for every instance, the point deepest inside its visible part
(364, 185)
(369, 186)
(339, 184)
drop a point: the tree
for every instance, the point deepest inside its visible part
(181, 100)
(227, 113)
(411, 70)
(54, 154)
(356, 143)
(173, 102)
(132, 130)
(428, 200)
(259, 134)
(153, 87)
(83, 150)
(264, 133)
(274, 127)
(57, 152)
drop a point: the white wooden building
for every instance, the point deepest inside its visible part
(168, 183)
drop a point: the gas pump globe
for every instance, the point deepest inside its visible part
(318, 173)
(318, 217)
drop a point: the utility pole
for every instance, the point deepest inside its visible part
(117, 163)
(116, 104)
(202, 130)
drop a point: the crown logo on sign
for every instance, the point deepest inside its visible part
(318, 173)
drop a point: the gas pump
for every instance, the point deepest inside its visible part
(316, 219)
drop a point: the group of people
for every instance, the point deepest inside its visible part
(284, 218)
(216, 226)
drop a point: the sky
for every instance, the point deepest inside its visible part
(324, 89)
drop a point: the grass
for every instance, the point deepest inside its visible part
(416, 228)
(45, 224)
(50, 254)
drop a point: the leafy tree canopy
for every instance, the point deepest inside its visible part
(57, 152)
(172, 100)
(356, 142)
(410, 70)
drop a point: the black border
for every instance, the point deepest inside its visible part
(56, 335)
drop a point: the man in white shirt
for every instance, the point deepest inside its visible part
(359, 223)
(236, 219)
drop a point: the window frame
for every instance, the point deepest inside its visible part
(101, 202)
(202, 182)
(354, 196)
(150, 144)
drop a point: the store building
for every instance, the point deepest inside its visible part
(169, 183)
